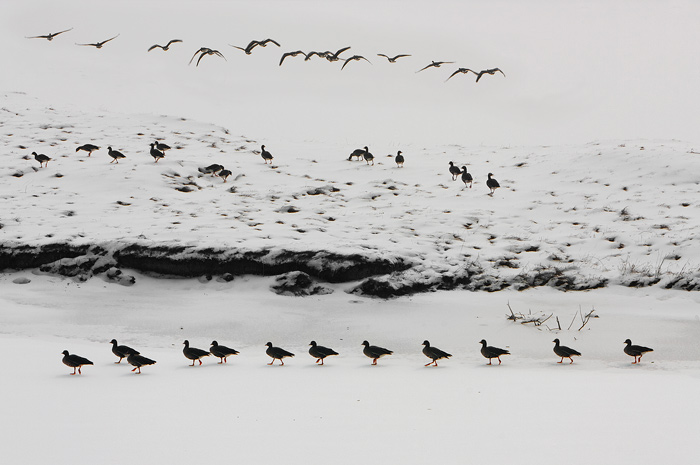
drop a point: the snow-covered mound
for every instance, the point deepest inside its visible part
(574, 217)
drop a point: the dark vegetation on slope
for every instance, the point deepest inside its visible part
(299, 273)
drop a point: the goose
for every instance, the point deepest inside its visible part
(99, 44)
(359, 153)
(211, 169)
(563, 351)
(89, 148)
(121, 351)
(49, 36)
(319, 352)
(223, 174)
(636, 351)
(333, 57)
(277, 353)
(460, 70)
(466, 177)
(116, 156)
(399, 159)
(491, 71)
(42, 159)
(137, 361)
(203, 52)
(354, 58)
(492, 352)
(248, 49)
(312, 53)
(75, 361)
(368, 157)
(193, 353)
(291, 54)
(492, 184)
(454, 171)
(155, 153)
(161, 146)
(165, 47)
(392, 59)
(221, 351)
(266, 156)
(435, 64)
(375, 352)
(434, 353)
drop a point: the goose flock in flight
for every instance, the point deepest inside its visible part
(248, 50)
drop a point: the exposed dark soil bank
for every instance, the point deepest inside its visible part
(299, 273)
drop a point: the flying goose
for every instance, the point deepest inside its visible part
(460, 70)
(291, 54)
(203, 52)
(99, 44)
(435, 64)
(392, 59)
(49, 36)
(491, 71)
(354, 58)
(164, 47)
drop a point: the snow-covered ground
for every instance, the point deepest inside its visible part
(591, 134)
(601, 409)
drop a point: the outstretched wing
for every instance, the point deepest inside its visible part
(105, 41)
(312, 53)
(400, 56)
(267, 41)
(201, 50)
(341, 51)
(423, 69)
(155, 46)
(293, 54)
(174, 41)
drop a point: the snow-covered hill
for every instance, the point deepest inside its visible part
(591, 132)
(571, 216)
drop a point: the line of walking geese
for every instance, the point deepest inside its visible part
(134, 357)
(248, 49)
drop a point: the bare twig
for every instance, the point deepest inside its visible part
(572, 321)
